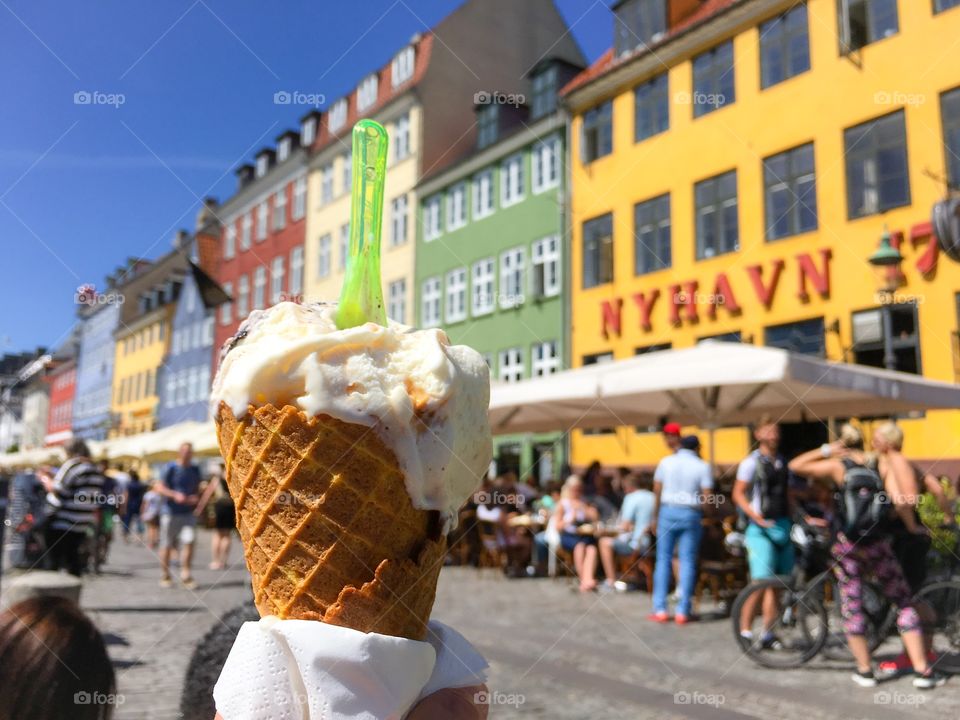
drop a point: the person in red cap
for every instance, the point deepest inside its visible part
(671, 435)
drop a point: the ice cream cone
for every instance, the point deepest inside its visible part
(328, 528)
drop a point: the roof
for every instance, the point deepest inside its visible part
(210, 291)
(608, 60)
(174, 262)
(385, 94)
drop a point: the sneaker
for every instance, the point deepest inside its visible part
(188, 583)
(864, 679)
(681, 619)
(929, 680)
(621, 586)
(658, 617)
(166, 582)
(771, 642)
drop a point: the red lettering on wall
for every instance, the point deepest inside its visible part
(723, 296)
(645, 304)
(927, 262)
(684, 296)
(807, 270)
(611, 312)
(765, 292)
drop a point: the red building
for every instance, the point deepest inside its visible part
(264, 227)
(63, 383)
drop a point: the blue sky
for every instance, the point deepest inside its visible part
(83, 186)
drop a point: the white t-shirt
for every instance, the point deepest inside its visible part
(684, 477)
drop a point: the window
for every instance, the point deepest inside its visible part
(544, 93)
(343, 245)
(940, 5)
(367, 92)
(430, 308)
(431, 218)
(262, 211)
(398, 220)
(337, 116)
(545, 160)
(651, 239)
(865, 21)
(300, 198)
(511, 180)
(263, 164)
(511, 278)
(511, 365)
(347, 172)
(784, 46)
(733, 336)
(546, 361)
(457, 206)
(243, 297)
(175, 343)
(296, 272)
(308, 132)
(323, 256)
(280, 209)
(597, 134)
(483, 194)
(488, 124)
(259, 287)
(597, 251)
(230, 241)
(208, 331)
(170, 394)
(950, 112)
(806, 337)
(652, 111)
(546, 267)
(456, 295)
(401, 140)
(401, 69)
(718, 228)
(876, 156)
(326, 183)
(246, 230)
(790, 191)
(276, 279)
(283, 150)
(638, 23)
(713, 79)
(868, 337)
(484, 291)
(397, 301)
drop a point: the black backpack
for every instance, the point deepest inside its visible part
(863, 507)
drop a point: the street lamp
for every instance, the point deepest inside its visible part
(887, 257)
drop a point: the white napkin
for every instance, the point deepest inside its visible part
(307, 670)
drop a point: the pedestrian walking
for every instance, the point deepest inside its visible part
(224, 518)
(132, 502)
(682, 483)
(150, 513)
(73, 498)
(179, 487)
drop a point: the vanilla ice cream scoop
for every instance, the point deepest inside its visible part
(426, 399)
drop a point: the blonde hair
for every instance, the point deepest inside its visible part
(891, 433)
(851, 437)
(573, 481)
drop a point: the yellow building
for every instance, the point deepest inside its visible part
(142, 339)
(732, 176)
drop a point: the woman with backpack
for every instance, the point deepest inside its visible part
(863, 547)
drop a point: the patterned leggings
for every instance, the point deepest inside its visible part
(856, 560)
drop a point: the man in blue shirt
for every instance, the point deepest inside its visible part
(635, 516)
(180, 488)
(682, 483)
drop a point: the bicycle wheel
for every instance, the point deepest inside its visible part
(880, 615)
(799, 629)
(944, 597)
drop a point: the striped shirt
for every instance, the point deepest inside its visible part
(77, 493)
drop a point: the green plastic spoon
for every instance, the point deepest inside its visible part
(361, 298)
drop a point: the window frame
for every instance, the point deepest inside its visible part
(710, 79)
(603, 264)
(508, 360)
(543, 256)
(432, 217)
(651, 99)
(656, 225)
(549, 150)
(431, 299)
(860, 152)
(455, 221)
(483, 272)
(399, 212)
(460, 288)
(596, 133)
(510, 195)
(397, 299)
(324, 255)
(790, 182)
(513, 269)
(477, 192)
(781, 43)
(719, 205)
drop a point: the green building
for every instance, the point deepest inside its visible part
(491, 265)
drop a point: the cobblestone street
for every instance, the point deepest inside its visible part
(553, 653)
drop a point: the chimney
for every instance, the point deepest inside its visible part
(207, 214)
(181, 240)
(244, 175)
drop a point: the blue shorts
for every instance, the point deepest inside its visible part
(769, 550)
(569, 540)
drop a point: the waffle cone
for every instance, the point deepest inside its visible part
(329, 532)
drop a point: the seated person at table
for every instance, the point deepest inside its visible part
(604, 499)
(571, 513)
(634, 521)
(497, 506)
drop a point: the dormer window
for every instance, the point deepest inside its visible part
(639, 23)
(367, 92)
(487, 125)
(401, 69)
(263, 164)
(544, 93)
(308, 131)
(283, 150)
(337, 116)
